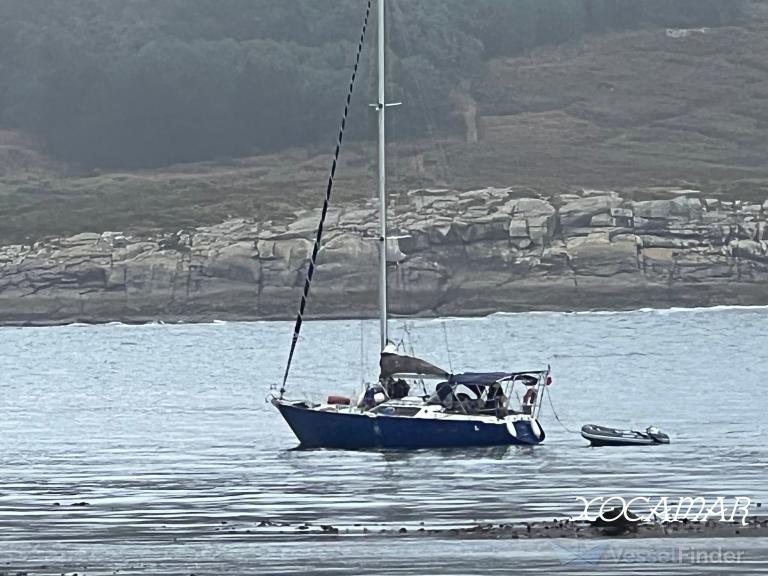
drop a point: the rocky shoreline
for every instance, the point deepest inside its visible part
(458, 253)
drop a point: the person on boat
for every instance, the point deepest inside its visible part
(372, 397)
(497, 400)
(529, 400)
(396, 389)
(468, 404)
(443, 395)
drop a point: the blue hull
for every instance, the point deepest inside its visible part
(316, 429)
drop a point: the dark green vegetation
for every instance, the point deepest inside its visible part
(617, 109)
(147, 83)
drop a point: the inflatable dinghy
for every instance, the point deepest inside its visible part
(603, 436)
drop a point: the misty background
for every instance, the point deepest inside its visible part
(148, 83)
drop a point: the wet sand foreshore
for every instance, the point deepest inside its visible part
(170, 547)
(756, 526)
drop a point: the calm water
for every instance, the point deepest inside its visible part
(165, 433)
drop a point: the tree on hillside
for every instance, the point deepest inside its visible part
(127, 83)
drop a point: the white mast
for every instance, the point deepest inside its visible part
(382, 107)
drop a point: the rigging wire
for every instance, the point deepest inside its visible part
(447, 346)
(362, 351)
(328, 191)
(442, 156)
(552, 406)
(407, 329)
(422, 176)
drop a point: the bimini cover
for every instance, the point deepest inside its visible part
(488, 378)
(392, 364)
(479, 378)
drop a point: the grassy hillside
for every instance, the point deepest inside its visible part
(624, 110)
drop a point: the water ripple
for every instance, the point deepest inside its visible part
(118, 443)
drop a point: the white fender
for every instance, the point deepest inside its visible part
(536, 428)
(511, 428)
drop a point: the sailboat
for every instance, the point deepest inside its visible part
(461, 410)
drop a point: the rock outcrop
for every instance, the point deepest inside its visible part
(458, 253)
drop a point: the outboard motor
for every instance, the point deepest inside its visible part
(657, 435)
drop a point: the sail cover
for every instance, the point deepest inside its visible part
(392, 364)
